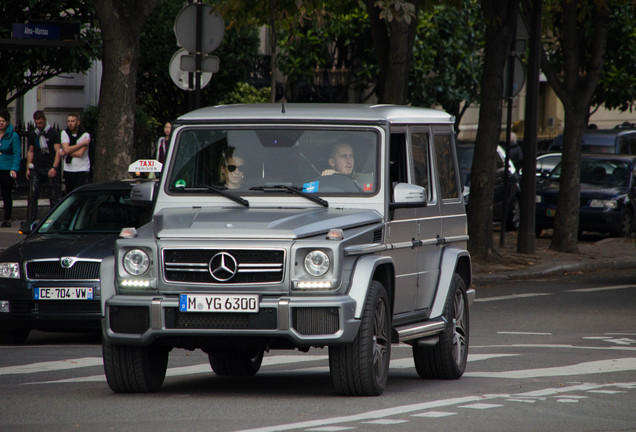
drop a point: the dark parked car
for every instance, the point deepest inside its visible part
(50, 279)
(607, 195)
(615, 141)
(465, 153)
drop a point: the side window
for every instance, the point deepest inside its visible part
(421, 171)
(628, 144)
(446, 169)
(397, 159)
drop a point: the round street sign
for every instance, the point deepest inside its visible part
(181, 78)
(212, 29)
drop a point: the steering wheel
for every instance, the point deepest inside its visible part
(338, 183)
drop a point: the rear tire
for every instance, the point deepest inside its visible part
(447, 359)
(131, 369)
(361, 368)
(237, 363)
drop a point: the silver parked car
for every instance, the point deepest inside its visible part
(296, 226)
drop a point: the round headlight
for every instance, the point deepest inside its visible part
(316, 263)
(136, 262)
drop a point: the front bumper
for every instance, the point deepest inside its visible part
(303, 321)
(19, 310)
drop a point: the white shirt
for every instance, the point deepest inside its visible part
(78, 164)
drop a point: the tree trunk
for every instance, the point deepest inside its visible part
(121, 23)
(581, 72)
(393, 46)
(501, 17)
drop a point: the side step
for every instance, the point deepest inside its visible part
(421, 330)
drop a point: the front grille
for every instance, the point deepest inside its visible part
(315, 321)
(265, 319)
(253, 266)
(129, 319)
(53, 270)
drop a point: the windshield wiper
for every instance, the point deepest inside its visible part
(293, 190)
(219, 191)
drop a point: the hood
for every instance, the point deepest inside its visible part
(257, 223)
(588, 191)
(38, 246)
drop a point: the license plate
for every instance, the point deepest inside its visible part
(75, 293)
(218, 303)
(550, 212)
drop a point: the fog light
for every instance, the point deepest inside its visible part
(4, 306)
(314, 285)
(135, 283)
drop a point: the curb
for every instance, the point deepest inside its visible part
(558, 269)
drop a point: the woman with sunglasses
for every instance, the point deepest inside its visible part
(232, 172)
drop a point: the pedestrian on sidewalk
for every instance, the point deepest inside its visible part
(43, 164)
(75, 141)
(10, 156)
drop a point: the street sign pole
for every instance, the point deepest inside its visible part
(197, 59)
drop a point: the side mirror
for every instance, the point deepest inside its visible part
(28, 229)
(143, 194)
(406, 193)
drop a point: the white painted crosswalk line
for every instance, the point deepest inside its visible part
(51, 366)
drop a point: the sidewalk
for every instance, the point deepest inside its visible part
(596, 253)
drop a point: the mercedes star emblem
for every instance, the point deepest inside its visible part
(223, 267)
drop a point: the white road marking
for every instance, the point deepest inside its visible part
(51, 366)
(512, 297)
(434, 414)
(204, 368)
(480, 406)
(386, 422)
(603, 288)
(425, 406)
(525, 333)
(586, 368)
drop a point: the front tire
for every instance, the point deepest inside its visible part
(131, 369)
(447, 359)
(361, 368)
(237, 363)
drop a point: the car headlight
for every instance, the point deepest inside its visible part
(538, 199)
(317, 263)
(10, 270)
(136, 262)
(606, 204)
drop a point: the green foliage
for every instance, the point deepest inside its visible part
(245, 93)
(324, 58)
(25, 68)
(616, 88)
(447, 60)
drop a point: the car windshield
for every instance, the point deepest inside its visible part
(601, 172)
(266, 160)
(103, 211)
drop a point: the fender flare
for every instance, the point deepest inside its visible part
(450, 258)
(362, 276)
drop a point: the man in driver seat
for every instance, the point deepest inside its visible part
(341, 161)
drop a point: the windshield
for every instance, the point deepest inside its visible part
(253, 160)
(104, 211)
(601, 172)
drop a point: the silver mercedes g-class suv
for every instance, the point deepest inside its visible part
(292, 226)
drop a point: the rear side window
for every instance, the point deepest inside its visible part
(446, 170)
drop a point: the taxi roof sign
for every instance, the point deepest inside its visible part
(145, 165)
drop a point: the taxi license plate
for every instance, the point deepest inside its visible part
(218, 303)
(75, 293)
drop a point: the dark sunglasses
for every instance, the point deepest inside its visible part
(232, 168)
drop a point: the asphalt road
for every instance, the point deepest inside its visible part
(546, 355)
